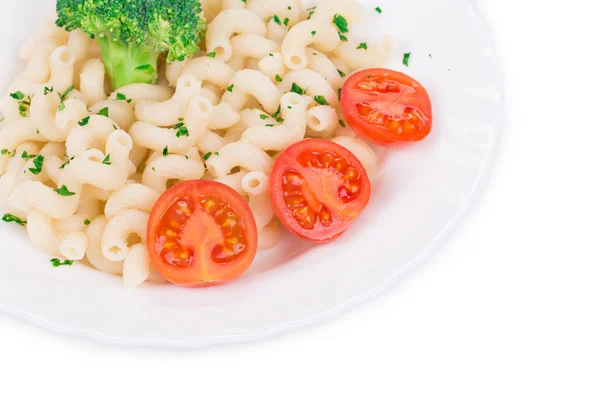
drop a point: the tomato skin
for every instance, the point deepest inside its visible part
(201, 234)
(402, 106)
(319, 188)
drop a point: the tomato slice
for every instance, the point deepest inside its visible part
(318, 188)
(386, 107)
(201, 233)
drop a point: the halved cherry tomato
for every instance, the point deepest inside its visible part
(318, 188)
(386, 107)
(201, 233)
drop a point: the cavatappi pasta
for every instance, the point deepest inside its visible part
(82, 167)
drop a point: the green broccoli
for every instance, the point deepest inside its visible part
(132, 34)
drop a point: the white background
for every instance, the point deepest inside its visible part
(509, 309)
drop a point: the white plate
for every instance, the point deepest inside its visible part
(421, 195)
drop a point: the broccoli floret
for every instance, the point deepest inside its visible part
(132, 34)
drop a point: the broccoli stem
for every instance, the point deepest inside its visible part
(128, 63)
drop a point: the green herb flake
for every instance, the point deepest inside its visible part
(165, 152)
(57, 263)
(106, 160)
(104, 112)
(64, 191)
(269, 125)
(66, 93)
(321, 100)
(67, 163)
(378, 9)
(342, 123)
(17, 95)
(84, 121)
(263, 116)
(406, 59)
(48, 90)
(297, 89)
(342, 37)
(342, 74)
(87, 222)
(286, 21)
(230, 88)
(26, 156)
(11, 218)
(38, 163)
(313, 33)
(277, 113)
(61, 106)
(207, 156)
(341, 23)
(122, 97)
(362, 46)
(278, 78)
(212, 54)
(277, 19)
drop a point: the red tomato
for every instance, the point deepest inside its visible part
(201, 233)
(318, 188)
(386, 107)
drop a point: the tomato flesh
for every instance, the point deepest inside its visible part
(201, 233)
(386, 107)
(318, 189)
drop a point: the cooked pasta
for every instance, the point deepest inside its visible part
(85, 167)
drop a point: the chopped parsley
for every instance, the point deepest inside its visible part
(278, 78)
(106, 160)
(84, 121)
(362, 46)
(11, 218)
(342, 123)
(104, 112)
(207, 156)
(48, 90)
(277, 19)
(5, 152)
(165, 151)
(38, 163)
(297, 89)
(57, 263)
(342, 74)
(122, 97)
(378, 9)
(26, 156)
(87, 222)
(321, 100)
(341, 23)
(230, 88)
(342, 37)
(67, 163)
(66, 93)
(182, 130)
(277, 114)
(406, 59)
(311, 11)
(269, 125)
(64, 191)
(212, 54)
(286, 21)
(313, 33)
(17, 95)
(61, 106)
(263, 116)
(23, 104)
